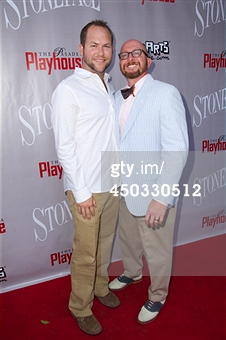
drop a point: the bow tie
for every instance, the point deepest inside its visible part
(127, 92)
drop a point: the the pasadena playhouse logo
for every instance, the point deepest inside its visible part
(214, 220)
(214, 145)
(61, 257)
(215, 60)
(2, 226)
(50, 169)
(59, 59)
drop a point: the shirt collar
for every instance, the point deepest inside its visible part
(87, 74)
(139, 84)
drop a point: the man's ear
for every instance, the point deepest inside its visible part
(149, 62)
(80, 47)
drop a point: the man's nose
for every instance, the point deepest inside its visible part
(130, 57)
(101, 50)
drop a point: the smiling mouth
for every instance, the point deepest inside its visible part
(100, 61)
(131, 66)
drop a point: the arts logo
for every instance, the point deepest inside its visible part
(214, 220)
(3, 276)
(61, 257)
(2, 226)
(158, 50)
(215, 61)
(50, 169)
(59, 59)
(214, 145)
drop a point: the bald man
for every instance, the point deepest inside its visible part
(151, 129)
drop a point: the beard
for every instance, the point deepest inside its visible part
(134, 74)
(93, 67)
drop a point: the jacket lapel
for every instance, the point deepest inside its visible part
(136, 109)
(134, 113)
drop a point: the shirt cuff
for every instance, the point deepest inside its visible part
(164, 203)
(82, 195)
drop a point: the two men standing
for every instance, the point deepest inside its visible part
(151, 120)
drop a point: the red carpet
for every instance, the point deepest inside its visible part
(195, 309)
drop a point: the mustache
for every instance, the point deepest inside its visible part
(130, 63)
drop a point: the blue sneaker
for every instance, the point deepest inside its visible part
(122, 282)
(150, 311)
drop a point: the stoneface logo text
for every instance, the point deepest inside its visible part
(209, 13)
(50, 218)
(16, 11)
(210, 184)
(207, 105)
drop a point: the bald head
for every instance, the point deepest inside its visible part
(134, 61)
(131, 45)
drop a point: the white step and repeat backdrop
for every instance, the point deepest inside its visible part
(40, 38)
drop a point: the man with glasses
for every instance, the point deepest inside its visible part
(151, 131)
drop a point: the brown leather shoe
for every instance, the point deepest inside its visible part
(88, 324)
(109, 300)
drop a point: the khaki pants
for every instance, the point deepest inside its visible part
(92, 246)
(137, 239)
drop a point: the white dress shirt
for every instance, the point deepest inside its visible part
(83, 125)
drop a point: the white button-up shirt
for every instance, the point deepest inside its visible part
(83, 124)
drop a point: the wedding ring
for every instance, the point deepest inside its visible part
(156, 219)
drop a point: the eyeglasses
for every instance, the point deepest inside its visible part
(135, 53)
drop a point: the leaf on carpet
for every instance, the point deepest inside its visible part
(44, 322)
